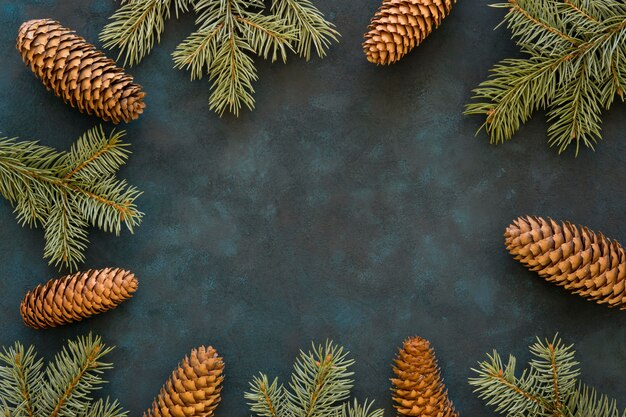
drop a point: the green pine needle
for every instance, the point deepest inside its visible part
(320, 385)
(549, 388)
(63, 388)
(229, 34)
(575, 66)
(67, 192)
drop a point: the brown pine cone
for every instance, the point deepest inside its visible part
(584, 262)
(418, 388)
(194, 388)
(400, 25)
(75, 297)
(77, 72)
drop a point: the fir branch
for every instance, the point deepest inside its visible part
(265, 399)
(574, 68)
(228, 33)
(549, 388)
(20, 380)
(355, 409)
(320, 381)
(137, 26)
(66, 192)
(63, 389)
(74, 374)
(314, 31)
(320, 384)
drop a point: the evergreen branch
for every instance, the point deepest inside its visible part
(62, 389)
(74, 374)
(137, 26)
(360, 410)
(498, 385)
(265, 399)
(198, 50)
(575, 115)
(586, 402)
(65, 192)
(548, 389)
(556, 371)
(20, 380)
(268, 35)
(65, 233)
(515, 89)
(320, 381)
(314, 31)
(535, 24)
(95, 155)
(232, 73)
(575, 66)
(103, 408)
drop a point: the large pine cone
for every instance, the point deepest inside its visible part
(75, 297)
(400, 25)
(418, 388)
(194, 388)
(77, 72)
(584, 262)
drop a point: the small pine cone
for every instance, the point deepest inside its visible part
(75, 297)
(194, 388)
(400, 25)
(418, 388)
(584, 262)
(77, 72)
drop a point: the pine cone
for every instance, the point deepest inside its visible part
(400, 25)
(418, 388)
(77, 72)
(582, 261)
(193, 389)
(75, 297)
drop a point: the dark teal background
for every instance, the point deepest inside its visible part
(354, 203)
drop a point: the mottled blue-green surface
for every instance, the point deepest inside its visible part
(354, 203)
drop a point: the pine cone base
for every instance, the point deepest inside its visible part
(75, 297)
(400, 25)
(418, 388)
(194, 388)
(77, 72)
(574, 257)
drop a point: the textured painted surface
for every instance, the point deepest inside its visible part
(353, 204)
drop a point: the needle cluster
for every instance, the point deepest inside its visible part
(228, 34)
(67, 192)
(573, 65)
